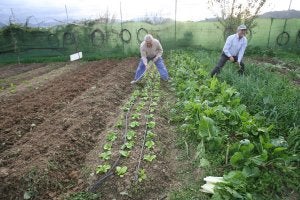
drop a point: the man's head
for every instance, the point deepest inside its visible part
(148, 39)
(241, 30)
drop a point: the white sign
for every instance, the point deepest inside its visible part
(76, 56)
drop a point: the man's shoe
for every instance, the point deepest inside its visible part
(133, 82)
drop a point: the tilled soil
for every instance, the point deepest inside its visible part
(10, 78)
(46, 132)
(53, 131)
(15, 69)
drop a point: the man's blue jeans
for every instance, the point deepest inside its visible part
(160, 67)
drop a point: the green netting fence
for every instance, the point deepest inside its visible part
(94, 39)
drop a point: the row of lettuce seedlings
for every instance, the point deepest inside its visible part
(132, 132)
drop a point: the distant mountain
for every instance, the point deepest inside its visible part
(281, 14)
(273, 14)
(45, 24)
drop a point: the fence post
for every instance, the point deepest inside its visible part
(175, 21)
(270, 31)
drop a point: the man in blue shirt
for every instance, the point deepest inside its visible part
(233, 50)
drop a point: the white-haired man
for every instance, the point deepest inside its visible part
(151, 49)
(233, 50)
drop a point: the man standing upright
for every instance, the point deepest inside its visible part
(233, 50)
(151, 49)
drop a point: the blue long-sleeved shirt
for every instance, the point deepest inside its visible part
(235, 46)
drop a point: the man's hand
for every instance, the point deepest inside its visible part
(147, 67)
(155, 59)
(231, 58)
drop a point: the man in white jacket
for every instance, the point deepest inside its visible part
(233, 50)
(151, 49)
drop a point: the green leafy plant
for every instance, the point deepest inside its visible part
(121, 170)
(151, 124)
(150, 135)
(212, 114)
(12, 88)
(131, 135)
(153, 104)
(140, 106)
(156, 99)
(150, 116)
(107, 146)
(144, 93)
(119, 124)
(105, 155)
(149, 144)
(233, 187)
(142, 175)
(112, 136)
(156, 94)
(136, 116)
(126, 107)
(102, 168)
(134, 124)
(135, 94)
(124, 153)
(128, 145)
(149, 157)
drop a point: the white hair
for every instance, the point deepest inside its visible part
(148, 38)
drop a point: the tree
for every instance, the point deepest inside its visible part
(155, 18)
(236, 12)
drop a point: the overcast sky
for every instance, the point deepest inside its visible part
(47, 10)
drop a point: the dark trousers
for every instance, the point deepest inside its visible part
(223, 59)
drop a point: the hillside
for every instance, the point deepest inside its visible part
(282, 14)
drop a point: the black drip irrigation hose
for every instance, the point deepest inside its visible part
(144, 139)
(136, 176)
(97, 184)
